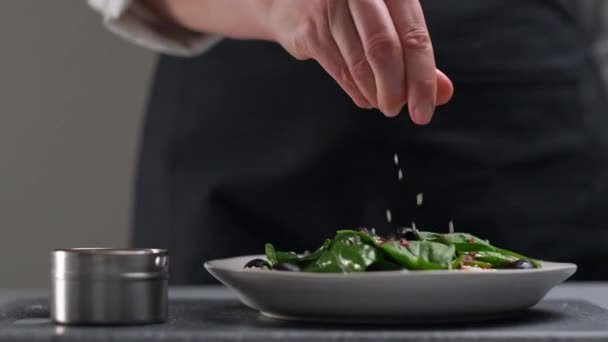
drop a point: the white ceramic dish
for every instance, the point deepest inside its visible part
(388, 296)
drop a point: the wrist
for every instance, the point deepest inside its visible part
(230, 18)
(263, 19)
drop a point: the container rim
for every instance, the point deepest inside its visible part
(111, 251)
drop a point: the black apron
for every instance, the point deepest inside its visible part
(245, 145)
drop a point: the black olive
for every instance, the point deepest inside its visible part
(523, 264)
(285, 266)
(410, 234)
(257, 263)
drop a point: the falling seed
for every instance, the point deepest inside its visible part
(413, 225)
(389, 216)
(451, 227)
(419, 199)
(396, 158)
(400, 174)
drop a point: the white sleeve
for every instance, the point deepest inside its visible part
(137, 23)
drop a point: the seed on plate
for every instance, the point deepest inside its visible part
(419, 199)
(285, 266)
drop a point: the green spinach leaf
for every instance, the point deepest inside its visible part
(467, 243)
(271, 254)
(346, 253)
(420, 255)
(277, 257)
(496, 259)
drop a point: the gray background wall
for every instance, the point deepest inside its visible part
(71, 99)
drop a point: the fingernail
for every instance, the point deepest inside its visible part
(423, 112)
(362, 103)
(390, 113)
(394, 111)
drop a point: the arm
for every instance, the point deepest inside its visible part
(230, 18)
(145, 26)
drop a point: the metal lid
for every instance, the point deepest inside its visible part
(74, 263)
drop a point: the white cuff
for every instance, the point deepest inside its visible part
(137, 23)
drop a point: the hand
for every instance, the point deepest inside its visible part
(379, 51)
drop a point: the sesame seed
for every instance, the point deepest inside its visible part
(451, 226)
(419, 199)
(400, 175)
(396, 158)
(389, 216)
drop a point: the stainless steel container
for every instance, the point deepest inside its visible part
(109, 286)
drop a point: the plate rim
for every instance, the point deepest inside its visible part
(212, 265)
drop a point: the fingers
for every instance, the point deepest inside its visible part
(345, 35)
(315, 41)
(331, 60)
(383, 52)
(445, 88)
(419, 59)
(378, 51)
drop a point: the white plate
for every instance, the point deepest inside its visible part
(388, 296)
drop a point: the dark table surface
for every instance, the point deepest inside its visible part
(571, 312)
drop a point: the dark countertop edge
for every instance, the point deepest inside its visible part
(595, 292)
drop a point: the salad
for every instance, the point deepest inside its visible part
(409, 249)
